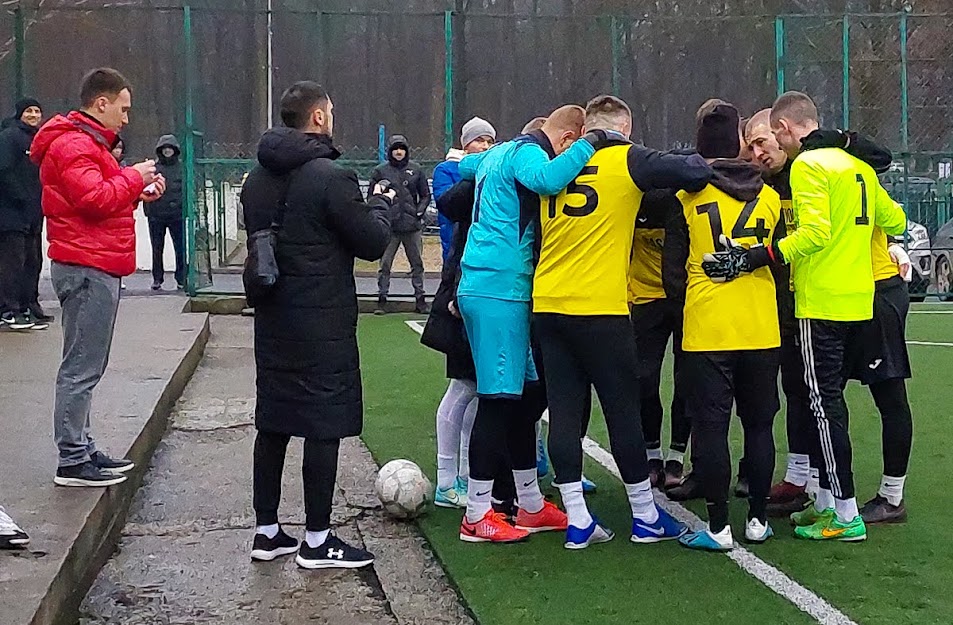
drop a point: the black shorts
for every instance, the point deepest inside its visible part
(878, 352)
(654, 324)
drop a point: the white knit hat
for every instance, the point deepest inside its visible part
(474, 129)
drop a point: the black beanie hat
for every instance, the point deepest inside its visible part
(718, 133)
(26, 103)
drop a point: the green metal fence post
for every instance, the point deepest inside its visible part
(779, 51)
(904, 101)
(615, 31)
(448, 80)
(19, 35)
(845, 42)
(191, 217)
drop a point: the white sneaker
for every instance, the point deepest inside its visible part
(11, 536)
(757, 532)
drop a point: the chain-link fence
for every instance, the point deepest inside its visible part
(214, 76)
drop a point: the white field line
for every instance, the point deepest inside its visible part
(930, 312)
(778, 582)
(930, 343)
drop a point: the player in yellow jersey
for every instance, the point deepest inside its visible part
(657, 318)
(731, 335)
(581, 316)
(838, 201)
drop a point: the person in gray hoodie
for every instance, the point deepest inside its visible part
(406, 218)
(166, 213)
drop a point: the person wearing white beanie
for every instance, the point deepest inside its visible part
(457, 409)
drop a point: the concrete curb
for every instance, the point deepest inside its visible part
(101, 530)
(236, 305)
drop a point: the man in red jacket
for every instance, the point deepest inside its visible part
(88, 201)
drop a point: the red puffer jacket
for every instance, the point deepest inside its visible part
(88, 199)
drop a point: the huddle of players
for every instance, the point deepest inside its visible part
(589, 198)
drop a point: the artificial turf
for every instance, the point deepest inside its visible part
(902, 574)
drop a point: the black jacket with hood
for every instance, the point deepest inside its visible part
(168, 208)
(740, 180)
(444, 331)
(20, 209)
(307, 364)
(410, 183)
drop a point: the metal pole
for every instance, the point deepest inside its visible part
(271, 70)
(19, 32)
(904, 100)
(846, 72)
(779, 52)
(448, 80)
(381, 143)
(616, 34)
(191, 217)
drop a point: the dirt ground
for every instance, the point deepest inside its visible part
(433, 260)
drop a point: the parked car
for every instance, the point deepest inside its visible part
(943, 262)
(917, 242)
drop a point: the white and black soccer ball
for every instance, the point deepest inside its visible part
(403, 489)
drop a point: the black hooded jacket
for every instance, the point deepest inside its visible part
(168, 207)
(308, 369)
(740, 180)
(20, 209)
(410, 183)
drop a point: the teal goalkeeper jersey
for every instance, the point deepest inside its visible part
(838, 201)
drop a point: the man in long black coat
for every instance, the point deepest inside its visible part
(309, 378)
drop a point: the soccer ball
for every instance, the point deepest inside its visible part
(403, 489)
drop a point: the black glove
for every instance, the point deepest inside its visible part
(727, 265)
(600, 138)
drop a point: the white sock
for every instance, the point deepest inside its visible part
(478, 499)
(846, 509)
(316, 539)
(654, 454)
(469, 415)
(642, 502)
(799, 468)
(677, 456)
(823, 500)
(575, 503)
(449, 422)
(270, 531)
(528, 495)
(813, 482)
(891, 489)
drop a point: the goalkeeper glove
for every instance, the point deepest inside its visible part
(727, 265)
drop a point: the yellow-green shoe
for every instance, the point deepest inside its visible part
(810, 516)
(832, 529)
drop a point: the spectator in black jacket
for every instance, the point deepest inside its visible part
(406, 218)
(307, 363)
(166, 213)
(21, 221)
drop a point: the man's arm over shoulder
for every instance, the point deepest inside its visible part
(469, 165)
(812, 203)
(363, 226)
(651, 169)
(675, 251)
(889, 216)
(92, 193)
(533, 167)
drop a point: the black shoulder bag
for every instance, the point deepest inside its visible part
(261, 265)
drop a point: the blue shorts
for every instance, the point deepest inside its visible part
(498, 331)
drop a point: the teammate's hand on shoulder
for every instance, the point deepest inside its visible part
(599, 138)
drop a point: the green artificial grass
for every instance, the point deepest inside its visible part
(540, 581)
